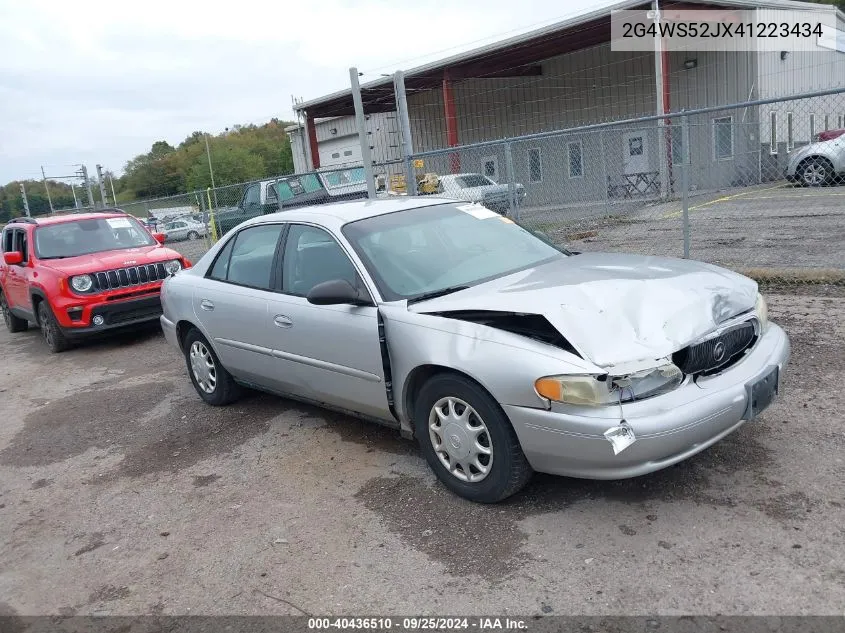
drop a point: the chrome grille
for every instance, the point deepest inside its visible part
(128, 277)
(716, 353)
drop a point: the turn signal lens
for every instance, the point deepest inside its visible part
(575, 390)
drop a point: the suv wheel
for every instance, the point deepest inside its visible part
(468, 440)
(50, 330)
(13, 323)
(213, 383)
(815, 172)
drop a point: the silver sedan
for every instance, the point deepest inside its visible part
(500, 352)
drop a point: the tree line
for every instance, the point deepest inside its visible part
(240, 154)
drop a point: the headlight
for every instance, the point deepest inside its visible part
(172, 267)
(82, 283)
(762, 311)
(608, 390)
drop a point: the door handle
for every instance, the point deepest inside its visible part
(283, 321)
(205, 304)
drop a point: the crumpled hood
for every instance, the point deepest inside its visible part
(110, 260)
(615, 308)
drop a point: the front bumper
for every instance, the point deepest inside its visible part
(117, 315)
(569, 440)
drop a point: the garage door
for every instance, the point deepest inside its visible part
(340, 151)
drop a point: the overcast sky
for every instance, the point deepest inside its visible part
(99, 81)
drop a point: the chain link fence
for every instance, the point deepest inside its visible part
(756, 187)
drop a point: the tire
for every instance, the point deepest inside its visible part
(193, 235)
(14, 323)
(50, 330)
(507, 469)
(815, 172)
(216, 387)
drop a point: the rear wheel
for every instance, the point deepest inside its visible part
(468, 440)
(13, 323)
(212, 382)
(815, 172)
(50, 330)
(193, 235)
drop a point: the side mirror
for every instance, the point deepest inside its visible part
(13, 258)
(337, 292)
(161, 238)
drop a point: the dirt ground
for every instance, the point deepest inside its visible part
(122, 493)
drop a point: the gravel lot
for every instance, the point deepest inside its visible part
(122, 493)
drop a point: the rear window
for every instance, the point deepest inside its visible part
(473, 180)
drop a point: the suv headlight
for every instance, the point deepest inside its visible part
(608, 390)
(762, 310)
(172, 267)
(81, 283)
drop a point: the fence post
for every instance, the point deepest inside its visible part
(685, 188)
(605, 183)
(405, 125)
(512, 205)
(363, 137)
(211, 216)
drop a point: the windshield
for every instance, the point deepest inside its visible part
(69, 239)
(474, 180)
(430, 249)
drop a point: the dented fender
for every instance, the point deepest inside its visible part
(504, 363)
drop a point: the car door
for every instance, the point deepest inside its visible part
(17, 294)
(180, 231)
(231, 302)
(333, 351)
(251, 202)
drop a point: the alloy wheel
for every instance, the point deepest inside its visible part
(815, 174)
(203, 367)
(460, 439)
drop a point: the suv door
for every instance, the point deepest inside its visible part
(333, 350)
(231, 302)
(17, 291)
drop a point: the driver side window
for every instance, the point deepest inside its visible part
(312, 256)
(21, 244)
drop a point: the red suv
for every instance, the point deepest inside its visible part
(80, 275)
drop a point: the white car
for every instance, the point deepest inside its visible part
(185, 229)
(480, 189)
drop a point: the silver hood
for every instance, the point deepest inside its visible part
(615, 309)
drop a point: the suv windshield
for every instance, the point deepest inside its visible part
(82, 237)
(433, 249)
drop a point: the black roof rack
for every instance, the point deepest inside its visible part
(23, 221)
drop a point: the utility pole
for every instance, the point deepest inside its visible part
(102, 184)
(88, 187)
(302, 134)
(25, 201)
(405, 124)
(363, 135)
(211, 169)
(47, 189)
(111, 184)
(660, 90)
(75, 200)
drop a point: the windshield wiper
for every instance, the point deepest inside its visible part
(56, 257)
(436, 293)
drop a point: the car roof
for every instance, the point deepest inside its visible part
(340, 213)
(71, 217)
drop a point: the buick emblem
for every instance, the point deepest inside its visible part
(455, 441)
(719, 351)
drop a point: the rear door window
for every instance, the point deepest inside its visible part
(250, 256)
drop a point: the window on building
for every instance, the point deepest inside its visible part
(336, 155)
(347, 152)
(826, 122)
(790, 141)
(490, 167)
(680, 144)
(773, 133)
(535, 165)
(840, 122)
(812, 127)
(576, 159)
(723, 138)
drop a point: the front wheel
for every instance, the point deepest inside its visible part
(13, 323)
(50, 330)
(468, 440)
(212, 382)
(193, 235)
(815, 173)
